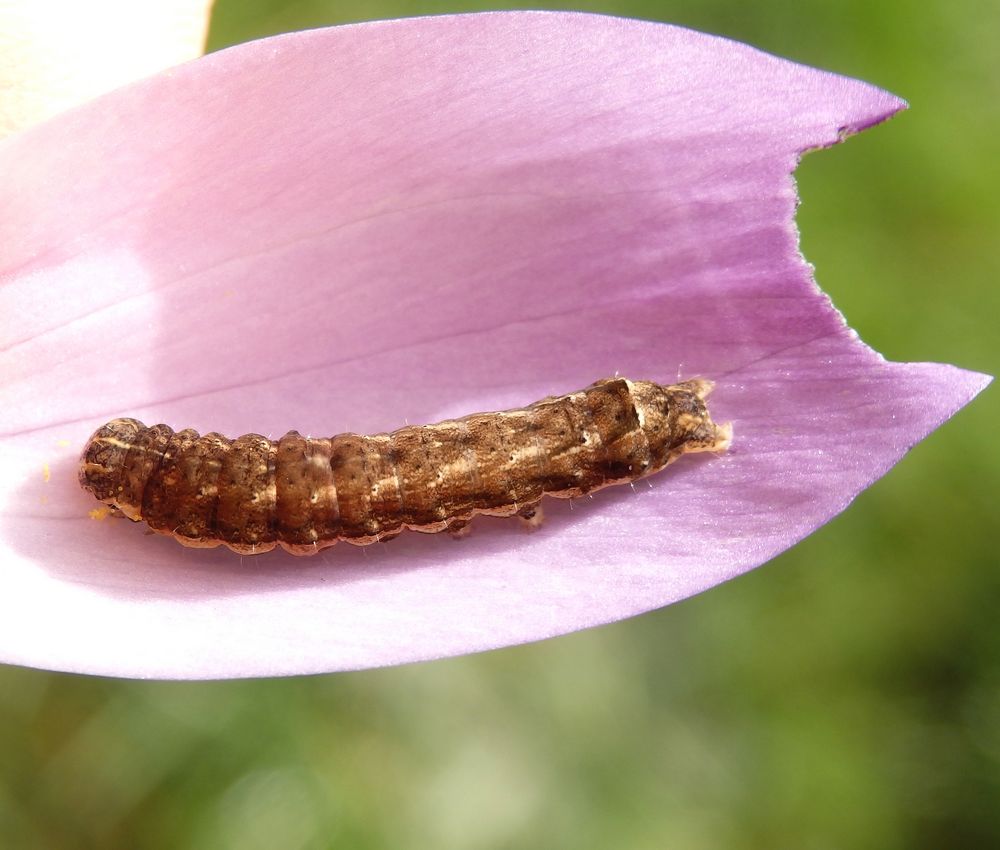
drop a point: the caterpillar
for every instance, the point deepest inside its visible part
(306, 493)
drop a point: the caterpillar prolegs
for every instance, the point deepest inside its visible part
(305, 493)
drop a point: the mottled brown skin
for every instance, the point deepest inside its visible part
(306, 493)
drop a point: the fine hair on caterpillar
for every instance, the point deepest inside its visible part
(306, 493)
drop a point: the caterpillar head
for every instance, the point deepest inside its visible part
(676, 420)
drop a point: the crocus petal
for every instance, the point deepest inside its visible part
(349, 228)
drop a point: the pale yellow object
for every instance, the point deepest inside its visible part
(55, 54)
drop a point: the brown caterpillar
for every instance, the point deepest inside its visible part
(306, 493)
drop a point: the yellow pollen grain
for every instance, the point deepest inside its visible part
(46, 473)
(99, 513)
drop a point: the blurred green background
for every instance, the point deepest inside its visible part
(846, 695)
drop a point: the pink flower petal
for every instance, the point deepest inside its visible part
(344, 229)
